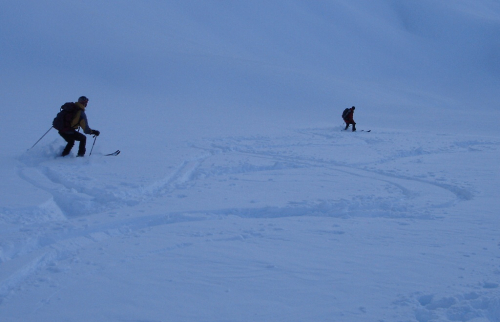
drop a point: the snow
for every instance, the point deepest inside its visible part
(237, 196)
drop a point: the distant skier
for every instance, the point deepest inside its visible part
(348, 116)
(72, 117)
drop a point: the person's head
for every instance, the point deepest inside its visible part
(83, 100)
(353, 108)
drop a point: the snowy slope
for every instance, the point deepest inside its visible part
(302, 226)
(237, 196)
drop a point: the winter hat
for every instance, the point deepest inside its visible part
(83, 99)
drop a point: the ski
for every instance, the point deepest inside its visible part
(113, 154)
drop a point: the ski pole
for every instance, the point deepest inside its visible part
(95, 138)
(41, 138)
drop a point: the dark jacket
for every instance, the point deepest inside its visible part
(349, 119)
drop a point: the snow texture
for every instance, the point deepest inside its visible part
(237, 195)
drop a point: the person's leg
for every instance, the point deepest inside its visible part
(83, 141)
(71, 141)
(353, 126)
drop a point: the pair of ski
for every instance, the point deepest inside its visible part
(113, 154)
(358, 131)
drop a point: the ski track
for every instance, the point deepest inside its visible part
(48, 237)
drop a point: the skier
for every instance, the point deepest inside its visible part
(348, 117)
(79, 120)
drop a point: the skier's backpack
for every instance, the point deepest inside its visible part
(62, 121)
(345, 112)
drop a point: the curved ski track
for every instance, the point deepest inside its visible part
(53, 230)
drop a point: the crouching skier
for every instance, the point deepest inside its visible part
(71, 117)
(348, 116)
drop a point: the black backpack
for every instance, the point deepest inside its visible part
(62, 121)
(345, 112)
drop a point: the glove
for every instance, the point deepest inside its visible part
(95, 132)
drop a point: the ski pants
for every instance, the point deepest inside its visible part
(348, 122)
(71, 137)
